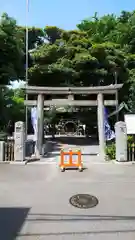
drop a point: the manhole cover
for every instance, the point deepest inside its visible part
(83, 201)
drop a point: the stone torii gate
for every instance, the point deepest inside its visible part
(69, 93)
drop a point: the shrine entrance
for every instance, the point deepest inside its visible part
(72, 97)
(67, 127)
(70, 128)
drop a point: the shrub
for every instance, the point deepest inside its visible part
(130, 139)
(111, 149)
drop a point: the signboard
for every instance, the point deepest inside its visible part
(130, 123)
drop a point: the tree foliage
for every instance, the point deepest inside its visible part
(88, 56)
(11, 105)
(91, 55)
(11, 50)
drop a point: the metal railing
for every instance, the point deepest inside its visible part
(131, 152)
(9, 150)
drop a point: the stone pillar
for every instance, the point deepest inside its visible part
(121, 141)
(70, 97)
(40, 123)
(19, 141)
(2, 143)
(100, 118)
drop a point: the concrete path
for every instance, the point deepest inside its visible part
(88, 148)
(34, 203)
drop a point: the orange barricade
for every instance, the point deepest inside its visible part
(70, 162)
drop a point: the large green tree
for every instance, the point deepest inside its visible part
(12, 45)
(75, 60)
(11, 105)
(11, 54)
(100, 49)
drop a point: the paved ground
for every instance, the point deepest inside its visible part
(34, 202)
(89, 153)
(88, 148)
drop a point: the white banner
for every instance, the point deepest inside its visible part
(109, 134)
(34, 121)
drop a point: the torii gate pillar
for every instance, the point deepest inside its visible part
(100, 118)
(40, 124)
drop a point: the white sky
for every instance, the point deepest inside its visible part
(17, 84)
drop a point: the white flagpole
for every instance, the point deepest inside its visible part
(26, 61)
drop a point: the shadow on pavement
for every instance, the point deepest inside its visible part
(53, 149)
(56, 144)
(11, 222)
(81, 141)
(73, 218)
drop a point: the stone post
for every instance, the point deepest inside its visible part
(100, 118)
(19, 141)
(40, 123)
(121, 141)
(2, 143)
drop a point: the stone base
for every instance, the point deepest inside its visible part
(124, 162)
(18, 163)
